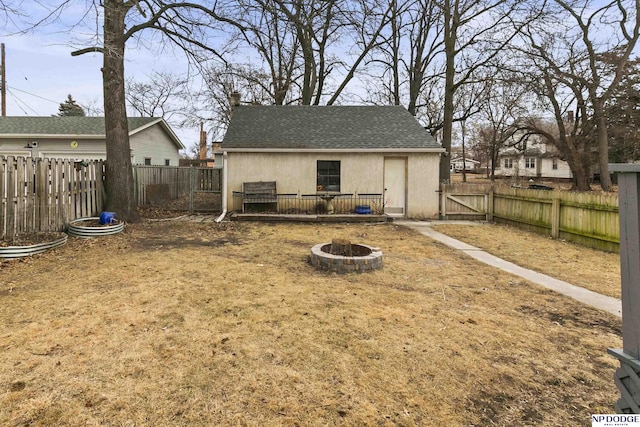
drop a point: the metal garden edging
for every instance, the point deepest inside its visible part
(77, 230)
(12, 252)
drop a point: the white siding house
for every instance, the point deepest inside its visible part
(469, 165)
(152, 139)
(537, 161)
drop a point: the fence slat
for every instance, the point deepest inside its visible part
(586, 218)
(44, 195)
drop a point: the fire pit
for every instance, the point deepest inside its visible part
(341, 256)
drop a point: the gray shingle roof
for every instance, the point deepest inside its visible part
(71, 125)
(326, 127)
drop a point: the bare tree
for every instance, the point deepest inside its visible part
(11, 11)
(504, 102)
(623, 116)
(475, 32)
(183, 23)
(320, 25)
(407, 60)
(579, 54)
(211, 104)
(261, 27)
(94, 107)
(163, 95)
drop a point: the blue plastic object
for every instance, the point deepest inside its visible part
(107, 217)
(363, 209)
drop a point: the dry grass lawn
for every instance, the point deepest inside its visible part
(595, 270)
(183, 323)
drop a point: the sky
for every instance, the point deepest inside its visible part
(41, 73)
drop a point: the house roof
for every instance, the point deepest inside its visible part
(73, 126)
(529, 152)
(466, 159)
(304, 127)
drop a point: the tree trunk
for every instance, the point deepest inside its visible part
(341, 247)
(581, 171)
(603, 146)
(119, 173)
(449, 91)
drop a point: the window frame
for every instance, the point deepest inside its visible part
(530, 163)
(508, 163)
(328, 176)
(147, 161)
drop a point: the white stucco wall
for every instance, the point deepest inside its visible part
(359, 173)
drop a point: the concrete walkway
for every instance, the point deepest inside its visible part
(603, 302)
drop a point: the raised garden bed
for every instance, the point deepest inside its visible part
(91, 227)
(30, 244)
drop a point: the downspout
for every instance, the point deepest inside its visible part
(224, 188)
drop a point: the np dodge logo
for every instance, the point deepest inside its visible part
(615, 420)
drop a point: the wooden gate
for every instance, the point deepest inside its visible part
(464, 202)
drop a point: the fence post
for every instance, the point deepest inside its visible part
(12, 206)
(626, 376)
(192, 183)
(555, 216)
(489, 208)
(443, 201)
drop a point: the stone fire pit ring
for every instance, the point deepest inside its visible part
(323, 260)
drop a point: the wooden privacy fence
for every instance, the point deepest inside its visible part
(590, 219)
(45, 194)
(179, 188)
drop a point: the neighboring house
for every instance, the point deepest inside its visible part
(336, 149)
(469, 165)
(152, 140)
(537, 161)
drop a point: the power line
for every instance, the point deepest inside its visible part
(32, 94)
(21, 101)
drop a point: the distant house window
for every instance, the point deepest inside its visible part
(167, 162)
(554, 164)
(328, 177)
(530, 162)
(508, 163)
(147, 161)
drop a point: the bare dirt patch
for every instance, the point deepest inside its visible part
(588, 268)
(188, 322)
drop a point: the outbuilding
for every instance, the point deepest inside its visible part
(335, 150)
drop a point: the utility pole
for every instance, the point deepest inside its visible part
(3, 81)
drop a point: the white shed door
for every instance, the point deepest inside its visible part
(395, 185)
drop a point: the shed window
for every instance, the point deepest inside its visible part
(147, 161)
(167, 162)
(508, 163)
(530, 162)
(328, 175)
(554, 164)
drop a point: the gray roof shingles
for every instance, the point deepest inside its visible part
(69, 125)
(326, 127)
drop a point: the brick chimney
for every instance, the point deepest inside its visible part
(202, 155)
(234, 99)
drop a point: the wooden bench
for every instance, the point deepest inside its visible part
(258, 192)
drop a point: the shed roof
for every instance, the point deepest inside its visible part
(304, 127)
(76, 126)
